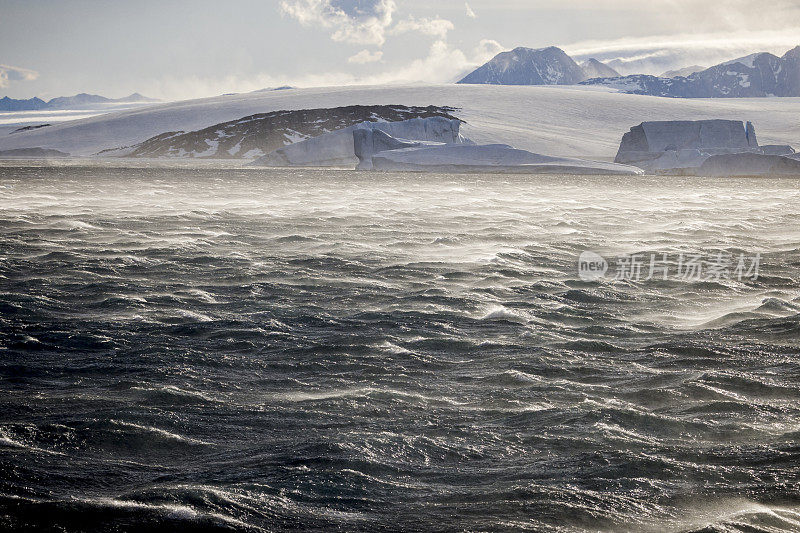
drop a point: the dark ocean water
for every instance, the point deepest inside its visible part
(220, 349)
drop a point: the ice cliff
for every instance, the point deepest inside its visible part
(338, 148)
(671, 145)
(424, 145)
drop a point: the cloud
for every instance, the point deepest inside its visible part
(442, 64)
(361, 21)
(365, 56)
(487, 49)
(9, 74)
(352, 21)
(367, 22)
(654, 55)
(435, 27)
(470, 13)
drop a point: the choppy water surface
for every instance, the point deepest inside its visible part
(208, 348)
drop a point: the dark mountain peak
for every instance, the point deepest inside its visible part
(528, 66)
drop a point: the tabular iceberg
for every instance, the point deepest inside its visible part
(431, 144)
(688, 145)
(337, 148)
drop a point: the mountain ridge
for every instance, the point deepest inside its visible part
(67, 102)
(757, 75)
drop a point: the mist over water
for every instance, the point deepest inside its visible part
(225, 349)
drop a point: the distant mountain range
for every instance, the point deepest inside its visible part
(529, 66)
(756, 75)
(79, 101)
(761, 74)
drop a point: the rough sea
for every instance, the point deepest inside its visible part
(205, 348)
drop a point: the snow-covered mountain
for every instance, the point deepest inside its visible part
(592, 68)
(528, 66)
(256, 135)
(79, 101)
(33, 104)
(756, 75)
(684, 72)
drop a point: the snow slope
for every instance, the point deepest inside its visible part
(554, 120)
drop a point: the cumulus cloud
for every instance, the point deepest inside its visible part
(443, 63)
(436, 27)
(9, 74)
(470, 13)
(366, 22)
(361, 21)
(365, 56)
(487, 49)
(351, 21)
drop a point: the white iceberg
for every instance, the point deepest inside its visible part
(683, 145)
(424, 145)
(337, 148)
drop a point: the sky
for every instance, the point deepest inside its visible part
(178, 49)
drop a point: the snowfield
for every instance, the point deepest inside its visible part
(567, 121)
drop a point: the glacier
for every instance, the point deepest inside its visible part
(565, 121)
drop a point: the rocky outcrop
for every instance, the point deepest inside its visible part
(257, 135)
